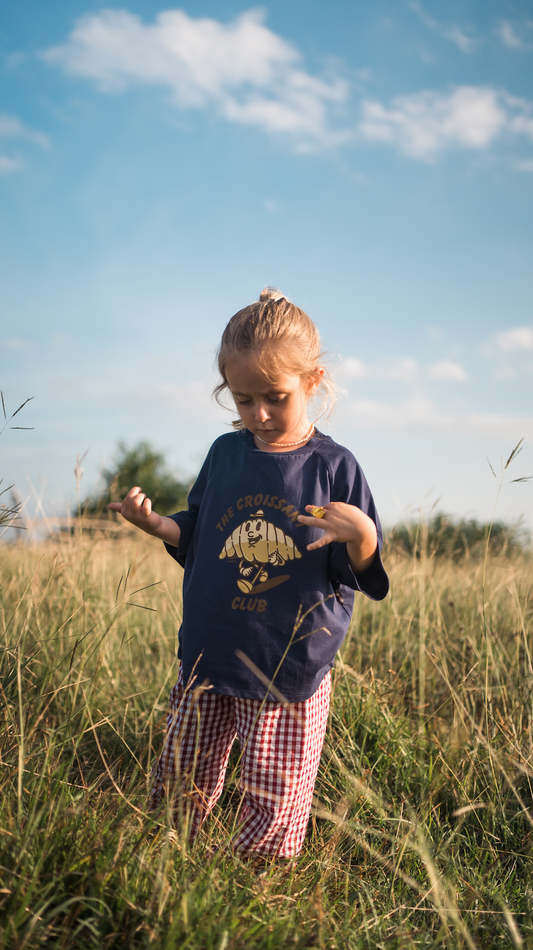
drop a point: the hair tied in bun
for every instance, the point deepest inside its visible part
(270, 293)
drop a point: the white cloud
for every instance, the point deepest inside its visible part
(354, 368)
(504, 372)
(465, 42)
(8, 164)
(525, 166)
(420, 414)
(401, 370)
(16, 343)
(390, 369)
(448, 370)
(250, 75)
(518, 338)
(523, 124)
(435, 333)
(424, 123)
(509, 36)
(246, 71)
(12, 128)
(371, 413)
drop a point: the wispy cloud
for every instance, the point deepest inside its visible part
(271, 206)
(447, 370)
(461, 37)
(511, 353)
(244, 70)
(516, 339)
(17, 343)
(511, 38)
(420, 414)
(12, 128)
(507, 35)
(246, 73)
(8, 164)
(523, 122)
(425, 123)
(390, 369)
(402, 370)
(354, 368)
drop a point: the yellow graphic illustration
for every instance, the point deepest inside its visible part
(259, 544)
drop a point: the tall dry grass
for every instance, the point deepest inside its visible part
(422, 832)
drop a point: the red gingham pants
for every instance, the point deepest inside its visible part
(280, 748)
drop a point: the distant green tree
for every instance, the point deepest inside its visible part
(443, 536)
(140, 465)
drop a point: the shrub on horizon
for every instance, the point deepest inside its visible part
(444, 536)
(140, 465)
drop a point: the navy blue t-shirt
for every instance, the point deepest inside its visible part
(250, 585)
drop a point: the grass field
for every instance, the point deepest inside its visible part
(422, 832)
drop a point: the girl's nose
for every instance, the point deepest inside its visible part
(261, 413)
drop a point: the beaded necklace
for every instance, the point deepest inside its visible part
(286, 445)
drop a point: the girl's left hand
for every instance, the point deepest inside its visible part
(349, 525)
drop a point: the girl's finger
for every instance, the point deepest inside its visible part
(313, 522)
(147, 507)
(115, 506)
(326, 538)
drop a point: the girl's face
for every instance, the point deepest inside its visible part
(275, 410)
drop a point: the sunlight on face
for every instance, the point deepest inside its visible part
(273, 409)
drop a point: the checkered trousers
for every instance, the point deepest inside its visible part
(280, 755)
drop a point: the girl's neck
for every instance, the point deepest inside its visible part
(289, 446)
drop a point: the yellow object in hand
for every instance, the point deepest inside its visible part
(318, 512)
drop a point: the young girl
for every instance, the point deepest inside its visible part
(268, 590)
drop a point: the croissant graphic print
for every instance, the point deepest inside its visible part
(259, 546)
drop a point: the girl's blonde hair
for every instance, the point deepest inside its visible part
(276, 325)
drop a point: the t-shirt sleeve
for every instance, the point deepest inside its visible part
(350, 485)
(373, 582)
(186, 520)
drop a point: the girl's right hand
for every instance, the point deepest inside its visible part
(137, 509)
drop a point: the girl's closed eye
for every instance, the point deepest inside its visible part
(273, 399)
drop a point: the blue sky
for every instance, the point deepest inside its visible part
(159, 165)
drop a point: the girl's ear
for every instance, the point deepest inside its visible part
(314, 380)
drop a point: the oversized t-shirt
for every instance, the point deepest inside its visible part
(255, 601)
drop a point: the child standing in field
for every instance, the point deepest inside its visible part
(268, 590)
